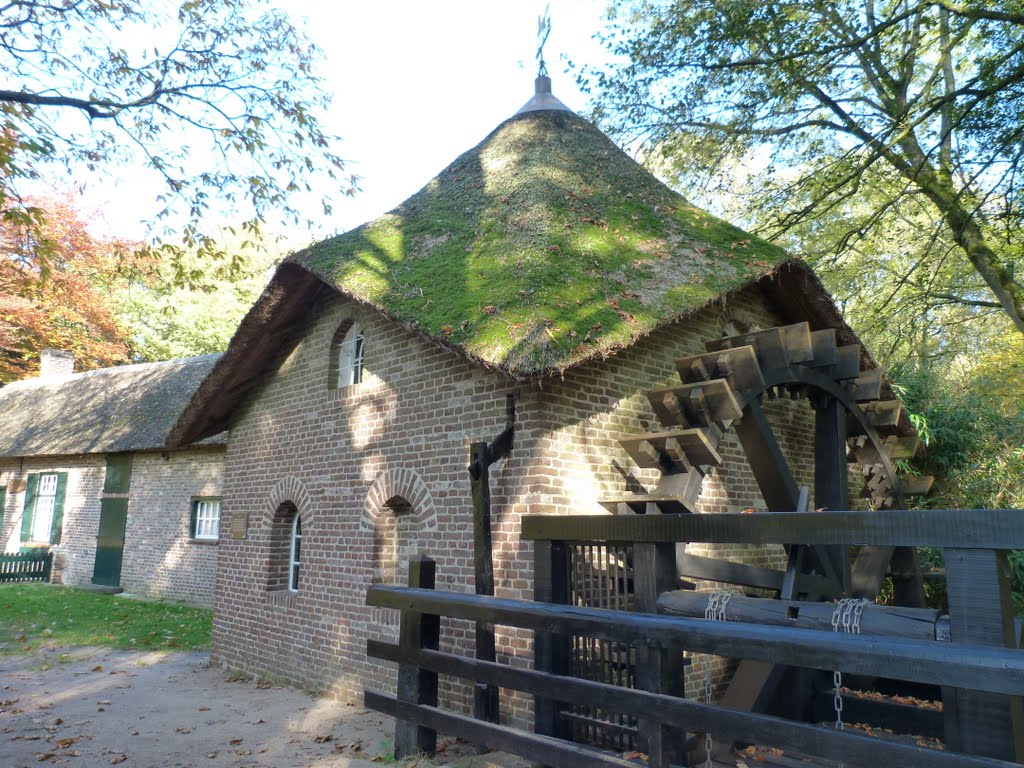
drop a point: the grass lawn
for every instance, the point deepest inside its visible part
(34, 616)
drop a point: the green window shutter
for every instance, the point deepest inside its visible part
(192, 519)
(31, 482)
(57, 526)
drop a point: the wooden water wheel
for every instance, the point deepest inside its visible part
(724, 389)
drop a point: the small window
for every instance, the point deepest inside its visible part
(347, 356)
(205, 519)
(42, 517)
(295, 561)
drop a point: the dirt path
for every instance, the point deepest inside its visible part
(94, 707)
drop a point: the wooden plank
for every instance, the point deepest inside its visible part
(981, 613)
(882, 413)
(855, 747)
(485, 700)
(766, 459)
(967, 528)
(649, 503)
(831, 476)
(695, 404)
(997, 670)
(847, 362)
(415, 684)
(551, 652)
(694, 443)
(776, 347)
(894, 446)
(823, 348)
(659, 669)
(556, 753)
(878, 620)
(728, 572)
(738, 364)
(867, 386)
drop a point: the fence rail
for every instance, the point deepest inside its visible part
(25, 566)
(970, 666)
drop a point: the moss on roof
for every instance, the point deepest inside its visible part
(541, 247)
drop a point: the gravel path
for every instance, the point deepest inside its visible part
(93, 707)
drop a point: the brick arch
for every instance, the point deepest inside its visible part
(288, 489)
(406, 484)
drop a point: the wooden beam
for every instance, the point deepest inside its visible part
(997, 670)
(847, 363)
(767, 462)
(824, 348)
(878, 620)
(967, 528)
(738, 364)
(417, 685)
(694, 444)
(551, 652)
(830, 475)
(851, 745)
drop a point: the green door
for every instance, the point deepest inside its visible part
(110, 542)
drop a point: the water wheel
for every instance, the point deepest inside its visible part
(724, 389)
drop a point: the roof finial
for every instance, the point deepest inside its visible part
(543, 30)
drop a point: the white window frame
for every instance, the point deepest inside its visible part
(44, 504)
(207, 514)
(295, 554)
(350, 357)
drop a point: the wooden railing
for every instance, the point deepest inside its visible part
(980, 669)
(26, 566)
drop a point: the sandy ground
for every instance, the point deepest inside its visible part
(94, 707)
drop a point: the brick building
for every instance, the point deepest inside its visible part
(84, 472)
(544, 263)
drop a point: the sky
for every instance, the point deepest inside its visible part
(414, 85)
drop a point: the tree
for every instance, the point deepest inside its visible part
(64, 302)
(928, 94)
(170, 320)
(219, 98)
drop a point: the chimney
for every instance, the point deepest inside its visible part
(56, 362)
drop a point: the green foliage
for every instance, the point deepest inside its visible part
(221, 103)
(975, 451)
(170, 320)
(38, 616)
(854, 116)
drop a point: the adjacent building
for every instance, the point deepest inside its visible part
(84, 473)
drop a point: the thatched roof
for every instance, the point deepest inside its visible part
(542, 248)
(127, 408)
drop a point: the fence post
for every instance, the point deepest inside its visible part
(981, 613)
(659, 670)
(415, 685)
(550, 652)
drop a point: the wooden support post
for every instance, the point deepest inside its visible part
(659, 670)
(830, 475)
(485, 697)
(981, 613)
(551, 651)
(415, 684)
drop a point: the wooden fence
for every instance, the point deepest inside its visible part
(980, 668)
(26, 566)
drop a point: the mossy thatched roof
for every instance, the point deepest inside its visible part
(543, 246)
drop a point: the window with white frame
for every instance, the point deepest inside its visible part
(45, 503)
(206, 519)
(348, 357)
(295, 560)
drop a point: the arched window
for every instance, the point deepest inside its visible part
(295, 561)
(346, 366)
(285, 549)
(393, 538)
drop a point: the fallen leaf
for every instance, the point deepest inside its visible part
(118, 759)
(323, 739)
(183, 730)
(44, 757)
(235, 741)
(97, 668)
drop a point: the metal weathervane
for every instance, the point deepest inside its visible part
(543, 30)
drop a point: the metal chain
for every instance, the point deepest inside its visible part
(714, 611)
(845, 618)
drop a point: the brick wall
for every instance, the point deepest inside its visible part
(159, 559)
(342, 456)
